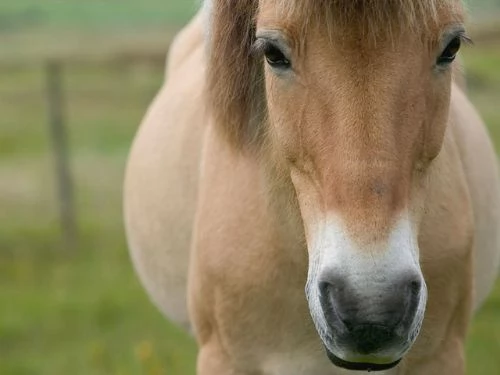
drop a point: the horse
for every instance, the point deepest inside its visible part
(311, 191)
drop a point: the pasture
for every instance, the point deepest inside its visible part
(83, 311)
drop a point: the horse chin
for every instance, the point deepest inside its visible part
(360, 366)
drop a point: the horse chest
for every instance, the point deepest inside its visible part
(298, 364)
(302, 363)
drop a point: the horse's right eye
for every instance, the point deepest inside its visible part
(275, 58)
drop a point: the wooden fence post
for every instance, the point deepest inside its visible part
(59, 139)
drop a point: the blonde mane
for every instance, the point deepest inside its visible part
(371, 17)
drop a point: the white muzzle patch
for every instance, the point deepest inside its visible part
(370, 272)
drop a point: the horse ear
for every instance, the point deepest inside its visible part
(234, 76)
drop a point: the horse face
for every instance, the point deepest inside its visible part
(357, 120)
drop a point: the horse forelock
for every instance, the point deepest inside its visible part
(375, 17)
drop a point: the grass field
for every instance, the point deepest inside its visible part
(84, 312)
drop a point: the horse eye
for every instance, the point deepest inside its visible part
(450, 52)
(275, 58)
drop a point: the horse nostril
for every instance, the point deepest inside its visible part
(332, 290)
(415, 287)
(334, 300)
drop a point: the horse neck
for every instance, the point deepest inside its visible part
(282, 203)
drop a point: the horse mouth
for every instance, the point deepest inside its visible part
(360, 366)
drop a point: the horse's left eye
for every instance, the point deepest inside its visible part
(450, 52)
(275, 58)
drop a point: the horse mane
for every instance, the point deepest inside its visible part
(235, 77)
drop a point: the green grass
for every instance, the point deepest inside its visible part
(103, 14)
(84, 312)
(35, 29)
(81, 312)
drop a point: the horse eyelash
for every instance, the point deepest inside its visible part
(465, 38)
(258, 48)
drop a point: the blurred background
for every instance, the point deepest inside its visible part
(76, 76)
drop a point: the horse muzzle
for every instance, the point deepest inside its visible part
(370, 331)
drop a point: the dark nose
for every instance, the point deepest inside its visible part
(368, 323)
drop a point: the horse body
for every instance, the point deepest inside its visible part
(163, 167)
(223, 228)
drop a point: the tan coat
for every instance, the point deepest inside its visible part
(188, 191)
